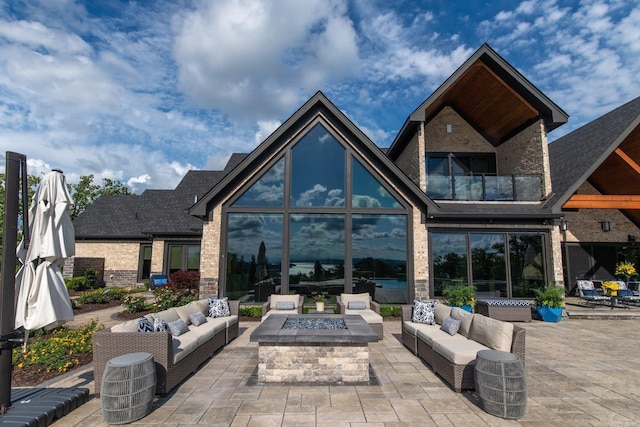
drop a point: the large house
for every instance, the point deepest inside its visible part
(469, 192)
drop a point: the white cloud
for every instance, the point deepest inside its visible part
(265, 128)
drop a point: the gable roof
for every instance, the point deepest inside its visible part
(317, 105)
(490, 95)
(587, 153)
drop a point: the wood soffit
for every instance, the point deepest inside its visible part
(487, 102)
(617, 179)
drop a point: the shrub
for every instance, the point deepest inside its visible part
(76, 284)
(96, 296)
(390, 311)
(185, 282)
(164, 298)
(114, 294)
(133, 303)
(57, 353)
(459, 295)
(250, 311)
(551, 296)
(91, 276)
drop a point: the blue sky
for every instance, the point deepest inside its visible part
(143, 91)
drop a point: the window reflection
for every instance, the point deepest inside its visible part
(254, 256)
(268, 191)
(367, 190)
(318, 176)
(449, 260)
(379, 250)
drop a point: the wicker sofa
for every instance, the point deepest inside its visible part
(175, 357)
(453, 356)
(370, 310)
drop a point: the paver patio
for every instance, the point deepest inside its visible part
(579, 372)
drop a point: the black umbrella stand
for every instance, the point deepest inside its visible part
(9, 337)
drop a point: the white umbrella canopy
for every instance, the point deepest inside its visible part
(42, 298)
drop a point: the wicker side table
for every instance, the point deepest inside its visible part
(501, 383)
(128, 387)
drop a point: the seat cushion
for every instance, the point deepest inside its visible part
(493, 333)
(369, 315)
(429, 334)
(458, 352)
(347, 298)
(183, 346)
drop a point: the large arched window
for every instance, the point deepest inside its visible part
(316, 219)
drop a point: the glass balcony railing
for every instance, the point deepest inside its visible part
(485, 187)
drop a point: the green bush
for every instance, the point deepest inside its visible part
(114, 294)
(459, 295)
(551, 296)
(184, 300)
(250, 311)
(96, 296)
(164, 299)
(58, 353)
(390, 311)
(76, 284)
(91, 276)
(133, 303)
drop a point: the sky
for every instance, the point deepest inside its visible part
(143, 91)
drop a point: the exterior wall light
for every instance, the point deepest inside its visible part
(564, 225)
(606, 226)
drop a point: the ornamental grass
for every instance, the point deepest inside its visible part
(57, 352)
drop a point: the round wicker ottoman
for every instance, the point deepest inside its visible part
(128, 387)
(501, 383)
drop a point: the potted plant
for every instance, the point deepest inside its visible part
(625, 269)
(460, 296)
(549, 303)
(320, 300)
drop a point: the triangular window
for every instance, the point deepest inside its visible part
(368, 192)
(267, 191)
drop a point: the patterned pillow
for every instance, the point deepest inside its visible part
(450, 325)
(357, 305)
(197, 318)
(285, 305)
(178, 327)
(423, 312)
(144, 325)
(159, 325)
(219, 307)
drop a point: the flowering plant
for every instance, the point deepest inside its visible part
(320, 298)
(611, 286)
(625, 268)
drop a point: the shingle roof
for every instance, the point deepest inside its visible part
(152, 212)
(575, 156)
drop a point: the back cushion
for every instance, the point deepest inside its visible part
(185, 310)
(168, 315)
(465, 319)
(493, 333)
(442, 312)
(347, 298)
(284, 298)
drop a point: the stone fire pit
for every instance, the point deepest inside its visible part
(318, 348)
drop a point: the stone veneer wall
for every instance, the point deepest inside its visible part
(318, 363)
(462, 138)
(409, 160)
(120, 260)
(526, 153)
(210, 254)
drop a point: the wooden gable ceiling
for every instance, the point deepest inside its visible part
(617, 179)
(487, 102)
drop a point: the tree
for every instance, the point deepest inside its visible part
(85, 192)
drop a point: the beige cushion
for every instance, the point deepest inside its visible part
(128, 326)
(185, 310)
(274, 299)
(493, 333)
(183, 346)
(346, 298)
(441, 312)
(465, 319)
(369, 316)
(456, 351)
(430, 333)
(203, 306)
(206, 331)
(167, 315)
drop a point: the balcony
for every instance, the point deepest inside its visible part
(489, 188)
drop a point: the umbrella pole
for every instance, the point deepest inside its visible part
(8, 335)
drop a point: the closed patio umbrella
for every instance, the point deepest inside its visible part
(42, 298)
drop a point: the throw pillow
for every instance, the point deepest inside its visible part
(178, 327)
(219, 307)
(197, 318)
(285, 305)
(450, 325)
(423, 312)
(159, 325)
(357, 305)
(144, 325)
